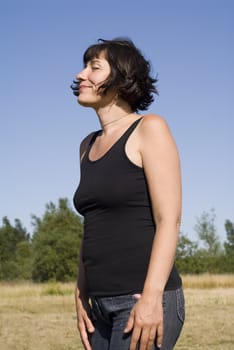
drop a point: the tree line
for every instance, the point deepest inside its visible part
(51, 251)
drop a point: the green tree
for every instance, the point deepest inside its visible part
(228, 262)
(209, 254)
(56, 242)
(206, 255)
(186, 249)
(206, 230)
(229, 244)
(15, 251)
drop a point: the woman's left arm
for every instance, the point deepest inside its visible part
(162, 169)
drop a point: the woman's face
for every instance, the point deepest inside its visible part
(95, 73)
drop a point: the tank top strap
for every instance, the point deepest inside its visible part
(93, 138)
(91, 141)
(123, 139)
(119, 144)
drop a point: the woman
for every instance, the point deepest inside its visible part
(129, 293)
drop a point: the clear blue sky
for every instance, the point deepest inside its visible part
(190, 45)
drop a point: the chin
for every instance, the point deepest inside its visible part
(87, 100)
(85, 103)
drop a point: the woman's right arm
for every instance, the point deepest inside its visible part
(84, 323)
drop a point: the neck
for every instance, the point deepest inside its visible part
(112, 115)
(115, 120)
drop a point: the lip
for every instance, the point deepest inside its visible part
(83, 86)
(77, 87)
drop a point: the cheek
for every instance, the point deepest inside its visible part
(99, 78)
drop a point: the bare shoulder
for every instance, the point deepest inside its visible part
(156, 141)
(153, 124)
(85, 143)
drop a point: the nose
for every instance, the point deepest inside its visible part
(75, 85)
(82, 75)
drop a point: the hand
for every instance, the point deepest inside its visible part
(84, 323)
(146, 323)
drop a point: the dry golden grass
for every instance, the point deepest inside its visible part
(34, 317)
(209, 320)
(207, 281)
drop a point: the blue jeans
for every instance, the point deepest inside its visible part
(110, 316)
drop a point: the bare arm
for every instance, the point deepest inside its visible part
(162, 168)
(84, 323)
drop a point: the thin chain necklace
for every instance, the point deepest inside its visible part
(115, 120)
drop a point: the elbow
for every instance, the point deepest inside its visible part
(171, 222)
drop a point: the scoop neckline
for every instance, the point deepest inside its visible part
(114, 144)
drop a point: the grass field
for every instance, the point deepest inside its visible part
(34, 317)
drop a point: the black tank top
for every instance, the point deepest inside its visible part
(119, 227)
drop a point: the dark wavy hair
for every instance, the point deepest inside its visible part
(130, 72)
